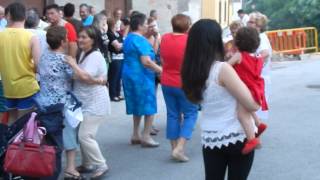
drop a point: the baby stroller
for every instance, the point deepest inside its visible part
(51, 118)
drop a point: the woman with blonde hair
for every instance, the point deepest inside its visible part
(259, 21)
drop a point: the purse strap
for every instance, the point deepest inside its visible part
(30, 128)
(32, 132)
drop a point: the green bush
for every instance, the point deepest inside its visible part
(284, 14)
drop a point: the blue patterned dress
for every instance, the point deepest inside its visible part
(138, 81)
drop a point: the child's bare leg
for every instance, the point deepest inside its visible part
(261, 126)
(245, 119)
(257, 120)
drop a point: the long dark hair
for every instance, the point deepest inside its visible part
(204, 47)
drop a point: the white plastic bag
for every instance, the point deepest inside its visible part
(73, 112)
(73, 117)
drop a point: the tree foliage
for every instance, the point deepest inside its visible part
(288, 13)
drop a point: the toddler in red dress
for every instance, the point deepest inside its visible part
(249, 65)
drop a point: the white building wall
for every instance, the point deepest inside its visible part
(167, 9)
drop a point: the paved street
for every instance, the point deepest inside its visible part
(290, 146)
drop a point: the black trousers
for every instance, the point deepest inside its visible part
(217, 161)
(114, 78)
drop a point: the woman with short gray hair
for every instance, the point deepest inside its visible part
(31, 23)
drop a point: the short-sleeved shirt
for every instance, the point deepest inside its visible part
(76, 24)
(95, 98)
(88, 21)
(71, 32)
(172, 49)
(115, 36)
(55, 79)
(16, 65)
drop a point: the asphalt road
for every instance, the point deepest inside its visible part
(290, 149)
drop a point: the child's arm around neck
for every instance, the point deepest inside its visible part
(235, 59)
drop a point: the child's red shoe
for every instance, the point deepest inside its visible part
(250, 145)
(261, 128)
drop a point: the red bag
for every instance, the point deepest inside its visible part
(31, 160)
(27, 156)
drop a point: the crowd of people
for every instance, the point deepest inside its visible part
(102, 55)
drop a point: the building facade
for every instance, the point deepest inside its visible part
(109, 5)
(221, 10)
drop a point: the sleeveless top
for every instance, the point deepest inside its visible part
(249, 71)
(16, 64)
(219, 122)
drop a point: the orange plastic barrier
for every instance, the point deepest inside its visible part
(294, 41)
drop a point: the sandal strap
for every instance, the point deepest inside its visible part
(101, 171)
(73, 176)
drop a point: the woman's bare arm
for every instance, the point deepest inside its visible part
(147, 62)
(231, 81)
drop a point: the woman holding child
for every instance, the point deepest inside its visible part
(206, 79)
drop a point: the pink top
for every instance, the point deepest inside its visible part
(172, 49)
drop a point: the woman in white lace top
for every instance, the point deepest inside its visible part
(215, 84)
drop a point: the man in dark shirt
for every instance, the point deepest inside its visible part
(68, 11)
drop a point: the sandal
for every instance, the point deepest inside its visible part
(99, 173)
(84, 169)
(135, 141)
(71, 176)
(115, 99)
(121, 98)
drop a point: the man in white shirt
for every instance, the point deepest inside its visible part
(243, 17)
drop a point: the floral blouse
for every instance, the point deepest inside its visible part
(55, 79)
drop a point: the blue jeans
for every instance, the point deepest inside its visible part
(181, 113)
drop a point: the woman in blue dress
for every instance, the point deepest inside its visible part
(138, 76)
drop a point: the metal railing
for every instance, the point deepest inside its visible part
(294, 41)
